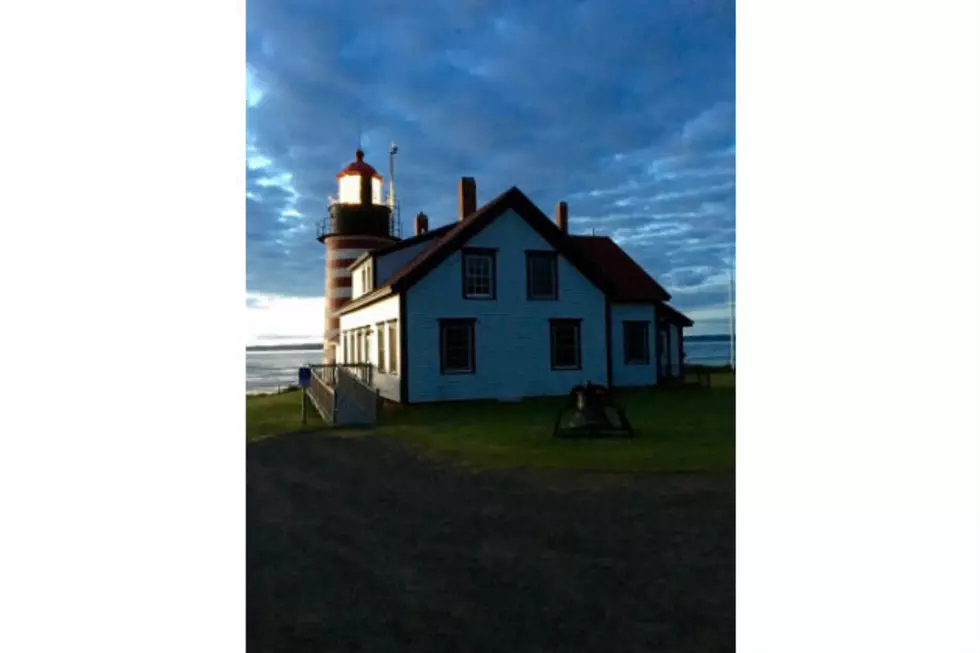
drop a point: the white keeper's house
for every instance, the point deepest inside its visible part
(501, 303)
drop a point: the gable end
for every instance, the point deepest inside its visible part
(513, 199)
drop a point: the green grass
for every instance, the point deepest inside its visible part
(682, 430)
(275, 414)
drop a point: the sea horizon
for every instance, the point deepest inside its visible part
(318, 346)
(269, 368)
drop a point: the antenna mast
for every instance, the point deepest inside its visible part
(395, 228)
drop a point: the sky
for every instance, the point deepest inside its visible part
(625, 110)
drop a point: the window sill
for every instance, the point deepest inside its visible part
(637, 362)
(542, 299)
(566, 369)
(456, 372)
(480, 297)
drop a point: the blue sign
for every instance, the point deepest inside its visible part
(304, 377)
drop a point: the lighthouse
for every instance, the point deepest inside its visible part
(359, 222)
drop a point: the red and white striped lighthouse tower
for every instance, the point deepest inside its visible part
(358, 222)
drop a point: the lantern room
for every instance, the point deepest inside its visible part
(358, 209)
(359, 183)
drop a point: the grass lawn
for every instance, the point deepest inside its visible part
(675, 430)
(682, 430)
(275, 414)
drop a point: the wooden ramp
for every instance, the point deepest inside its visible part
(343, 395)
(321, 395)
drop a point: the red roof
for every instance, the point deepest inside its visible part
(671, 315)
(597, 257)
(468, 227)
(358, 167)
(461, 231)
(629, 282)
(437, 245)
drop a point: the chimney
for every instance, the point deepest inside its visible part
(467, 197)
(421, 224)
(561, 216)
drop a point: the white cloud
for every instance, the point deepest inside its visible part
(279, 320)
(711, 320)
(253, 89)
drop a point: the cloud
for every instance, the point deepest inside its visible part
(625, 110)
(277, 319)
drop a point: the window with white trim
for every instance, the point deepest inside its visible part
(393, 347)
(365, 279)
(479, 273)
(381, 347)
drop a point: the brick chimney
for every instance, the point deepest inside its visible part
(421, 224)
(467, 197)
(561, 216)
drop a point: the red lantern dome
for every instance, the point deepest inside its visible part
(358, 167)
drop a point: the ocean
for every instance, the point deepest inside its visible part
(267, 371)
(715, 351)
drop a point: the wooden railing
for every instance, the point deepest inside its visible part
(345, 393)
(363, 371)
(323, 397)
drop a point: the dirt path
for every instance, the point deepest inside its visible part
(359, 545)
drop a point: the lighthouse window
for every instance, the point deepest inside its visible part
(479, 268)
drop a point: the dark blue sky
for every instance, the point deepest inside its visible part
(624, 109)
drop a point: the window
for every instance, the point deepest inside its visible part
(566, 344)
(366, 334)
(479, 274)
(636, 342)
(346, 347)
(456, 347)
(381, 347)
(365, 279)
(542, 275)
(393, 347)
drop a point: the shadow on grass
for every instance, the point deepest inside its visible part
(677, 430)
